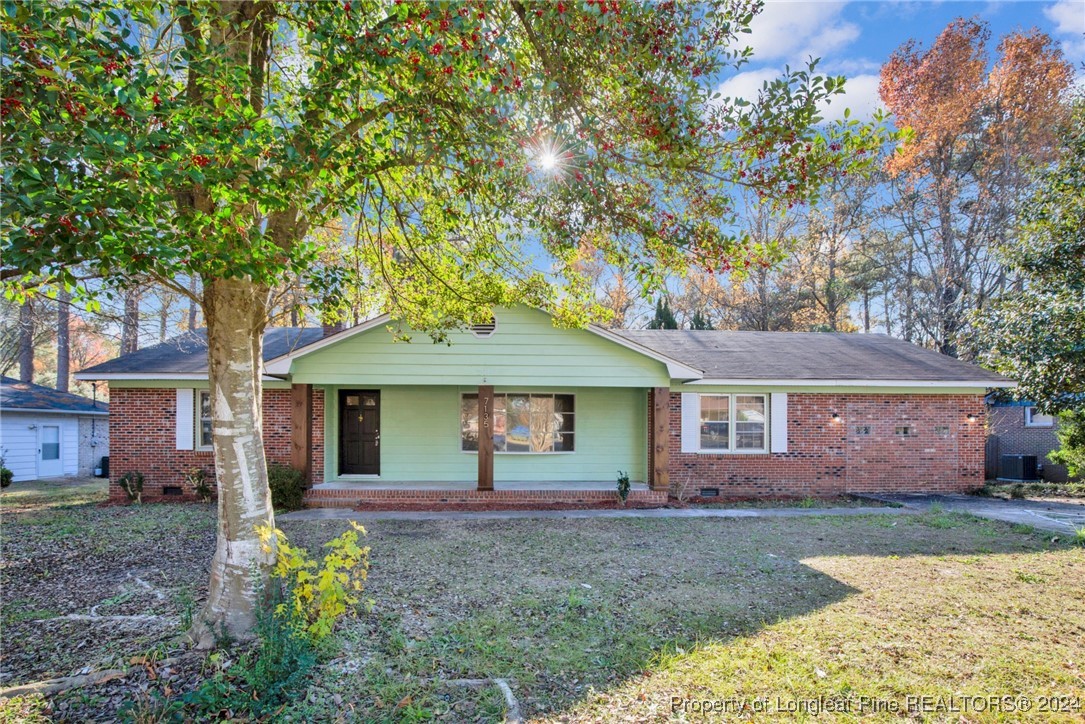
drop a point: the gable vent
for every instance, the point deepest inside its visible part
(484, 330)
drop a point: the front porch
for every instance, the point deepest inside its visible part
(533, 494)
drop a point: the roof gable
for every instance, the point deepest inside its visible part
(526, 348)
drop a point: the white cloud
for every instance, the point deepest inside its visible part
(860, 95)
(793, 31)
(1069, 19)
(747, 84)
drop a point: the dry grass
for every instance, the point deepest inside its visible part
(596, 619)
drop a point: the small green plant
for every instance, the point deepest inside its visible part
(199, 480)
(317, 595)
(262, 680)
(29, 709)
(1017, 492)
(6, 475)
(132, 485)
(623, 486)
(287, 487)
(808, 502)
(1079, 536)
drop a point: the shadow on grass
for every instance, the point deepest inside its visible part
(569, 609)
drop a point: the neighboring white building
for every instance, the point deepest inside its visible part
(45, 433)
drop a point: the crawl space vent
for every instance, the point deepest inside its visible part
(710, 492)
(171, 490)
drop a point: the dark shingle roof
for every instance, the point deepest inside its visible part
(720, 354)
(15, 395)
(806, 356)
(187, 353)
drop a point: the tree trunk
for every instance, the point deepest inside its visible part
(192, 308)
(26, 342)
(130, 322)
(236, 314)
(64, 338)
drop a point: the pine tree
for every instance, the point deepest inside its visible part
(664, 318)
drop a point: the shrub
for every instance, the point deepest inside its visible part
(317, 595)
(623, 486)
(6, 477)
(287, 487)
(262, 680)
(200, 481)
(1071, 434)
(132, 485)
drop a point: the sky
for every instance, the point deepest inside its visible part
(854, 38)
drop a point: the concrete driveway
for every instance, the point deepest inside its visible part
(1055, 517)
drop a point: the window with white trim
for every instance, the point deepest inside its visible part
(734, 423)
(1035, 419)
(523, 423)
(203, 419)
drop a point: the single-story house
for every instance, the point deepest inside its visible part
(519, 410)
(45, 433)
(1017, 427)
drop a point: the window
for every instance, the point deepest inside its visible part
(203, 419)
(862, 429)
(904, 430)
(523, 423)
(941, 430)
(1035, 419)
(748, 413)
(50, 442)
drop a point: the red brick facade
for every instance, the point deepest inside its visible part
(826, 457)
(142, 437)
(943, 451)
(1014, 438)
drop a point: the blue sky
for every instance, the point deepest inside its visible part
(855, 38)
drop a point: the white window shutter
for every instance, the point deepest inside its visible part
(691, 422)
(186, 422)
(778, 421)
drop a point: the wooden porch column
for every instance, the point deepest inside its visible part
(659, 434)
(301, 430)
(485, 437)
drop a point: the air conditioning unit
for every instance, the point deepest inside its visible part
(1019, 468)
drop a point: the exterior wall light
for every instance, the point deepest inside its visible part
(970, 417)
(836, 417)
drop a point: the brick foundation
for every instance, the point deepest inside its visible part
(827, 457)
(483, 499)
(142, 437)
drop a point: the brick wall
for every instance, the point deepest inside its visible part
(142, 437)
(827, 457)
(1008, 425)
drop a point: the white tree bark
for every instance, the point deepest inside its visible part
(236, 312)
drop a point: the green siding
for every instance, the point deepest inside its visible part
(525, 349)
(420, 437)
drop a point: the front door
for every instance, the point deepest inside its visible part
(359, 432)
(50, 462)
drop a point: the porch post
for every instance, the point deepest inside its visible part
(485, 437)
(301, 430)
(659, 434)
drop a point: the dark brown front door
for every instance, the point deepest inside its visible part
(359, 432)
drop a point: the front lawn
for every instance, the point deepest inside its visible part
(586, 619)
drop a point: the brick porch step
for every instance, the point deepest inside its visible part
(377, 499)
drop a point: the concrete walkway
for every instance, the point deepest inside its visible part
(1054, 517)
(347, 514)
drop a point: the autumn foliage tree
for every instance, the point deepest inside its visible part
(168, 140)
(974, 135)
